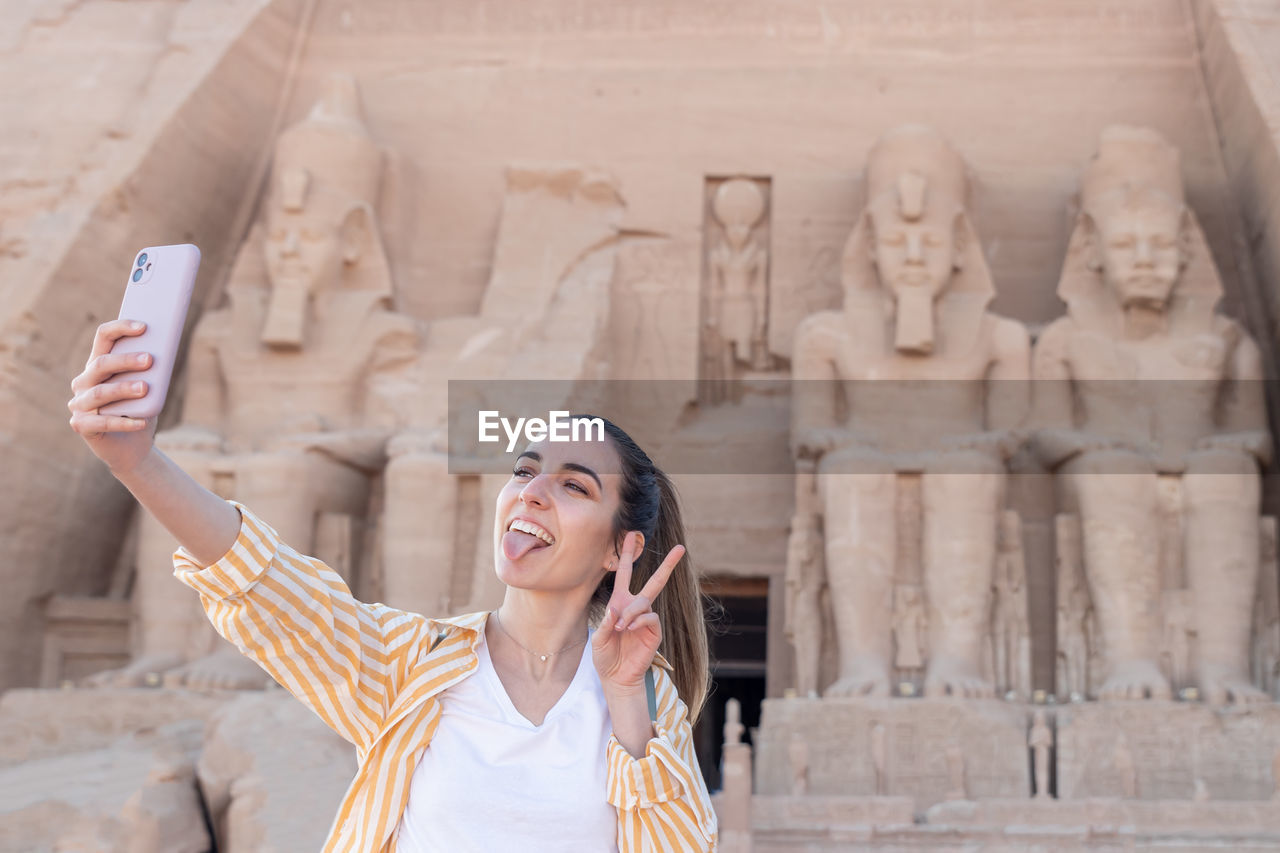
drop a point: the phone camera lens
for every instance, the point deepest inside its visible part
(142, 259)
(137, 274)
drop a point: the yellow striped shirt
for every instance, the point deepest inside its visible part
(373, 673)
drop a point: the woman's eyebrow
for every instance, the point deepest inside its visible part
(570, 466)
(583, 469)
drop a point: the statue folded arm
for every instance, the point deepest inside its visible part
(814, 430)
(1055, 437)
(1007, 397)
(365, 447)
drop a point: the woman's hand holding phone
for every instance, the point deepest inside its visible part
(121, 442)
(122, 389)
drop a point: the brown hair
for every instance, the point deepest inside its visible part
(648, 503)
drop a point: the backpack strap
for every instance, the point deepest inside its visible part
(651, 693)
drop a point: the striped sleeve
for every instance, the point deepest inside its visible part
(296, 618)
(662, 799)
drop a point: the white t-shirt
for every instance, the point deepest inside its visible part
(490, 780)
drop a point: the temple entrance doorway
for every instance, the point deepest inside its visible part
(738, 644)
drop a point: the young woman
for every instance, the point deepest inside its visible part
(552, 744)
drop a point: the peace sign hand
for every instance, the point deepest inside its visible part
(624, 645)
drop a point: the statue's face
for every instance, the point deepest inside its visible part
(302, 246)
(913, 255)
(303, 252)
(1138, 245)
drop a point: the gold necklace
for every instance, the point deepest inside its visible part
(538, 655)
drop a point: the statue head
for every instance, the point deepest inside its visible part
(1136, 243)
(914, 242)
(738, 204)
(1136, 227)
(320, 229)
(916, 191)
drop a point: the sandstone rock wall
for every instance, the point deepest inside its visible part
(125, 125)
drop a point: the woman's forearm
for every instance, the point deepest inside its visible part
(629, 712)
(202, 522)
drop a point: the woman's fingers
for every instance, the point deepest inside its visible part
(89, 425)
(103, 367)
(648, 620)
(97, 396)
(660, 577)
(607, 623)
(622, 578)
(110, 332)
(639, 605)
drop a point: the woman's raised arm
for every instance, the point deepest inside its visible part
(202, 522)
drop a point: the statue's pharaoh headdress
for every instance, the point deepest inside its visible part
(917, 168)
(1135, 160)
(333, 146)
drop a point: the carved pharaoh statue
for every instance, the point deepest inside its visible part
(1148, 407)
(913, 377)
(282, 408)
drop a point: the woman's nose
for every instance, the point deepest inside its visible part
(534, 491)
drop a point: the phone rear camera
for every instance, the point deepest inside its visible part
(142, 259)
(137, 274)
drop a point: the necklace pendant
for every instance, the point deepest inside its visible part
(544, 657)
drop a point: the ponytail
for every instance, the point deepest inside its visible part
(648, 503)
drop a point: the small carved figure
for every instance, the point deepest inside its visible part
(1177, 635)
(739, 266)
(1073, 611)
(956, 773)
(1011, 632)
(798, 754)
(908, 627)
(1040, 741)
(733, 727)
(880, 759)
(1127, 769)
(805, 580)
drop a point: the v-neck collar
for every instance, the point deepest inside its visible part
(509, 711)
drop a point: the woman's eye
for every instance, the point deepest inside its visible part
(578, 486)
(521, 472)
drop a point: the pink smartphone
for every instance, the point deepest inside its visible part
(158, 293)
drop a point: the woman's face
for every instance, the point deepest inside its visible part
(566, 492)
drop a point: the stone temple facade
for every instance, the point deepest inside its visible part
(956, 325)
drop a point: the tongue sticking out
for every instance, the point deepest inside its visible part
(517, 543)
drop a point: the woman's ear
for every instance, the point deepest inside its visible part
(617, 549)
